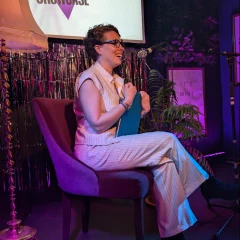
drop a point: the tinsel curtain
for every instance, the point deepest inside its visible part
(49, 74)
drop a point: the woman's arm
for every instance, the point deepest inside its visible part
(90, 101)
(145, 103)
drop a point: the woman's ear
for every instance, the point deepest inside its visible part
(98, 49)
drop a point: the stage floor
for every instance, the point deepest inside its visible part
(113, 219)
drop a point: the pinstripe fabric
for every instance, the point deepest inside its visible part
(110, 98)
(176, 173)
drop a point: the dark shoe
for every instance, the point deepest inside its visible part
(214, 188)
(179, 236)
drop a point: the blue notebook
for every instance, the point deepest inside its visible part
(129, 122)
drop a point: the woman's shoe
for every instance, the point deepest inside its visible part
(213, 188)
(179, 236)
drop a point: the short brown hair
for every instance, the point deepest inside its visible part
(95, 36)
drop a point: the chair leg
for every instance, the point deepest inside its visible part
(139, 218)
(66, 205)
(85, 213)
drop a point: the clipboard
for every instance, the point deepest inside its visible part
(129, 122)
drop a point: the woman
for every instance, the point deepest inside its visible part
(99, 104)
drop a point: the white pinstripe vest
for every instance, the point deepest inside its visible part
(85, 134)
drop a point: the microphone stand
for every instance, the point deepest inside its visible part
(235, 159)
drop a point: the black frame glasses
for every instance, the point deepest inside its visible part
(116, 43)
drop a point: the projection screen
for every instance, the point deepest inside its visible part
(72, 18)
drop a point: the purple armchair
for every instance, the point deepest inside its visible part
(58, 125)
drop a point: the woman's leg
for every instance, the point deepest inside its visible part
(176, 173)
(191, 174)
(173, 210)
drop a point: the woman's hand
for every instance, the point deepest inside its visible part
(129, 93)
(145, 103)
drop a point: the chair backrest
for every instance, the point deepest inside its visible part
(58, 125)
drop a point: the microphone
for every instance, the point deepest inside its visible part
(144, 52)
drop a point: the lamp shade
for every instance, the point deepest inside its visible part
(19, 29)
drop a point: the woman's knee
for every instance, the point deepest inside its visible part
(169, 137)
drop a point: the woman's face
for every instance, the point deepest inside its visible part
(110, 53)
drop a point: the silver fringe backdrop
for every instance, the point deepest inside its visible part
(49, 74)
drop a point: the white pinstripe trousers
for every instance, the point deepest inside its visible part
(176, 173)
